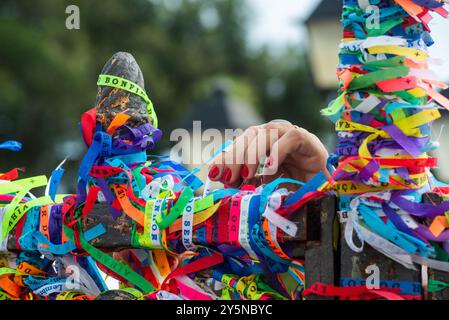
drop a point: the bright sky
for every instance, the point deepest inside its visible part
(276, 23)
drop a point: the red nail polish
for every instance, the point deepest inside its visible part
(227, 174)
(268, 162)
(213, 173)
(244, 172)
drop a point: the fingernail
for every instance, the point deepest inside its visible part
(244, 172)
(213, 173)
(268, 162)
(227, 174)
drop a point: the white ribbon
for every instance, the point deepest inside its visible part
(433, 264)
(187, 225)
(274, 202)
(155, 232)
(368, 104)
(165, 295)
(384, 41)
(377, 242)
(243, 226)
(85, 281)
(151, 190)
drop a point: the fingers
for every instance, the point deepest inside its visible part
(259, 148)
(313, 156)
(234, 159)
(282, 148)
(312, 145)
(226, 166)
(309, 153)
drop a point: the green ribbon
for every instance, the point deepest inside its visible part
(4, 296)
(136, 293)
(165, 221)
(335, 106)
(441, 254)
(435, 285)
(12, 218)
(384, 27)
(374, 77)
(4, 271)
(118, 267)
(410, 98)
(203, 203)
(387, 63)
(141, 183)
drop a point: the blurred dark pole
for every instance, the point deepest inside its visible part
(324, 33)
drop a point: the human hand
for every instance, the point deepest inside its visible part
(289, 151)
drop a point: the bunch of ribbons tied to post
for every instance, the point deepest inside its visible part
(230, 243)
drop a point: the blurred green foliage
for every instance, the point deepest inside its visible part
(48, 73)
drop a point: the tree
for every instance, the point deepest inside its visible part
(48, 73)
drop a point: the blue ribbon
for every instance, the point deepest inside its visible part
(11, 145)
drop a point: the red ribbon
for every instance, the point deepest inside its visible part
(357, 292)
(88, 122)
(197, 265)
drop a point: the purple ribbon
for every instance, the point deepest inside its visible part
(109, 198)
(366, 118)
(368, 171)
(119, 144)
(425, 232)
(431, 4)
(400, 224)
(142, 138)
(403, 140)
(55, 224)
(144, 132)
(350, 146)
